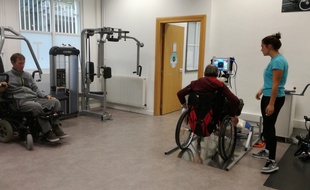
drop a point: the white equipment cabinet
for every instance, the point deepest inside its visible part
(285, 121)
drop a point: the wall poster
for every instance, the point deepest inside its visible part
(295, 5)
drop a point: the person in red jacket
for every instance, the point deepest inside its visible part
(210, 83)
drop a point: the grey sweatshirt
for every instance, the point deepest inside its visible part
(23, 86)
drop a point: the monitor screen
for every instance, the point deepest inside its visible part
(223, 64)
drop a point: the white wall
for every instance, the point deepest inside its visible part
(234, 28)
(9, 17)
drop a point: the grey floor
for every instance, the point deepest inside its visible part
(120, 154)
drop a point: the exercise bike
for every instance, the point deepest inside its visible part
(304, 143)
(196, 125)
(303, 5)
(304, 140)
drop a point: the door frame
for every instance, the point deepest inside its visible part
(160, 25)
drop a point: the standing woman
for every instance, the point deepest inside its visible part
(273, 91)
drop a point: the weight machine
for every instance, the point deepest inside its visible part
(64, 77)
(87, 66)
(9, 33)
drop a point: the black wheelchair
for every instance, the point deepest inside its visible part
(23, 125)
(207, 113)
(15, 124)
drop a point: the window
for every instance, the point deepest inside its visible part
(48, 23)
(35, 15)
(192, 46)
(66, 17)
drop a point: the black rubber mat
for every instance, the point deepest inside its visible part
(293, 173)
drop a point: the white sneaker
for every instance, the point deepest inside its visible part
(270, 166)
(263, 154)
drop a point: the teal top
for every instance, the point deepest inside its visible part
(278, 62)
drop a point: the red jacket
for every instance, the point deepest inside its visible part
(210, 84)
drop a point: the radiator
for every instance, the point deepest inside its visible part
(127, 90)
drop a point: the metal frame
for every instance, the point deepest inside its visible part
(248, 145)
(9, 33)
(105, 34)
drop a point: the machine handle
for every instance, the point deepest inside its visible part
(139, 70)
(6, 77)
(303, 92)
(34, 73)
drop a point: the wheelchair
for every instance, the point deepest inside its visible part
(207, 113)
(14, 125)
(23, 125)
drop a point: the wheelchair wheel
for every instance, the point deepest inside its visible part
(29, 142)
(183, 133)
(6, 131)
(304, 5)
(227, 139)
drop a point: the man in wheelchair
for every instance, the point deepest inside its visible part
(29, 98)
(210, 84)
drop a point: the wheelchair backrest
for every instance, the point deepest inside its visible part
(202, 102)
(3, 77)
(205, 111)
(1, 65)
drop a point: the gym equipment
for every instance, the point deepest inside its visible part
(226, 67)
(88, 70)
(225, 146)
(304, 143)
(304, 140)
(220, 124)
(64, 77)
(9, 33)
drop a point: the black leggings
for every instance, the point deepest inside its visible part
(269, 129)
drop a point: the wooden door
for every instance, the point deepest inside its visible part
(172, 67)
